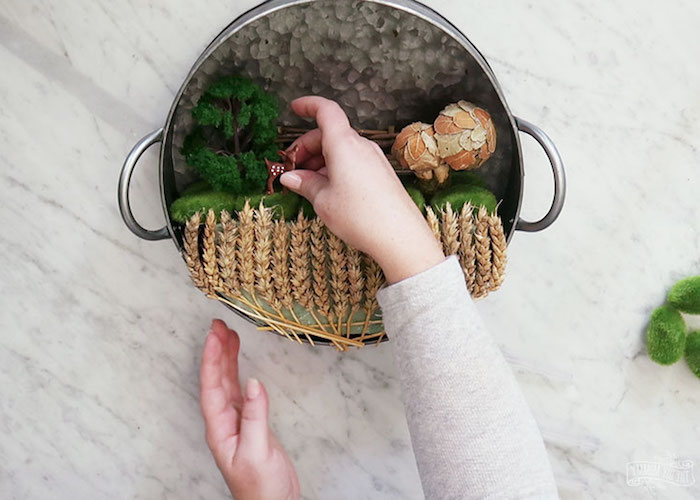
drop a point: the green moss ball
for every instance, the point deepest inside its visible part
(197, 188)
(685, 295)
(416, 196)
(466, 178)
(458, 195)
(666, 335)
(283, 204)
(185, 207)
(692, 352)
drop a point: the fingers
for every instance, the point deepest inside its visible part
(254, 443)
(309, 145)
(304, 182)
(230, 344)
(220, 417)
(331, 119)
(314, 163)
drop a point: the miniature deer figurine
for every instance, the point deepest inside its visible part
(275, 169)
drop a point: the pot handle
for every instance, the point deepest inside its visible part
(123, 189)
(559, 178)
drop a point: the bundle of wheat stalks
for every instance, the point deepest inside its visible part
(301, 281)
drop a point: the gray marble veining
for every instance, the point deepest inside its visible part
(100, 333)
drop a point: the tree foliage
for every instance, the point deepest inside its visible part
(237, 127)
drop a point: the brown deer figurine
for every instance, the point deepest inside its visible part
(275, 169)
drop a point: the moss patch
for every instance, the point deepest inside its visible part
(692, 352)
(184, 208)
(666, 335)
(307, 209)
(685, 295)
(458, 195)
(283, 204)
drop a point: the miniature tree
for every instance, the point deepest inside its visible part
(236, 131)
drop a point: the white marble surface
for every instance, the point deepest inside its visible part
(100, 333)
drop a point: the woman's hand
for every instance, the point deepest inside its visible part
(252, 461)
(357, 194)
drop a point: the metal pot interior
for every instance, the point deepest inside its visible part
(384, 62)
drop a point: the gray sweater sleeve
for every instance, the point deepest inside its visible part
(472, 432)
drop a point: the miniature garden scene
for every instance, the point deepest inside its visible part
(260, 249)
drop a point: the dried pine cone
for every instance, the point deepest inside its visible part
(415, 148)
(465, 135)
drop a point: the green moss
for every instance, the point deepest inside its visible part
(692, 352)
(196, 188)
(666, 335)
(466, 178)
(416, 196)
(307, 209)
(284, 204)
(458, 195)
(185, 207)
(685, 295)
(253, 200)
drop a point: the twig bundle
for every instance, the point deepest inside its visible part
(271, 270)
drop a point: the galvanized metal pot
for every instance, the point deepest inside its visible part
(388, 62)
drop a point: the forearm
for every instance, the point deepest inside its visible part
(472, 432)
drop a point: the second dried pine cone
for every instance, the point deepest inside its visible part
(415, 148)
(465, 135)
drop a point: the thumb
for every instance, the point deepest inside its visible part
(304, 182)
(254, 442)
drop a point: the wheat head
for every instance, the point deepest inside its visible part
(319, 271)
(467, 251)
(483, 253)
(499, 256)
(246, 248)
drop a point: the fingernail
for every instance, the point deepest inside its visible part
(291, 179)
(252, 388)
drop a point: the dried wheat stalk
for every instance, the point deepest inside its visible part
(356, 282)
(374, 279)
(340, 288)
(433, 222)
(483, 254)
(280, 264)
(498, 250)
(280, 271)
(355, 277)
(211, 266)
(191, 244)
(300, 253)
(227, 253)
(450, 231)
(467, 252)
(262, 255)
(246, 247)
(319, 255)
